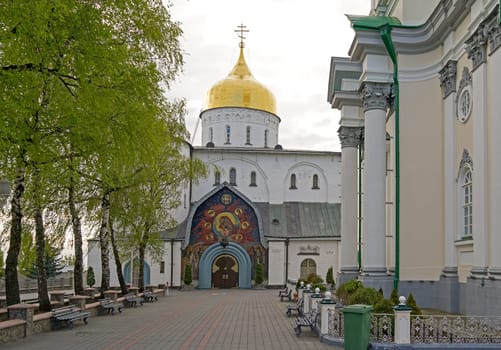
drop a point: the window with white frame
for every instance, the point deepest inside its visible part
(253, 179)
(467, 203)
(211, 135)
(315, 182)
(266, 132)
(233, 176)
(293, 182)
(217, 177)
(228, 134)
(248, 135)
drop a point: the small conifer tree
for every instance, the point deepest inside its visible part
(91, 279)
(187, 275)
(259, 274)
(394, 297)
(329, 278)
(411, 302)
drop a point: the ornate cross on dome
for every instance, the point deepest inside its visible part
(242, 29)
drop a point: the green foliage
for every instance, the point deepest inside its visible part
(411, 302)
(329, 278)
(91, 279)
(53, 263)
(259, 277)
(383, 306)
(188, 279)
(346, 290)
(367, 296)
(394, 297)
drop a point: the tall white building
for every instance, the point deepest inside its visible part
(419, 97)
(260, 203)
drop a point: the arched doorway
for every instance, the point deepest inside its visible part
(225, 272)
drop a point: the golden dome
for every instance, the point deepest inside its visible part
(240, 89)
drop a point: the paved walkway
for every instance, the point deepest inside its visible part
(208, 319)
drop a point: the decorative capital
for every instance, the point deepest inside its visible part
(448, 78)
(376, 95)
(350, 136)
(493, 30)
(476, 46)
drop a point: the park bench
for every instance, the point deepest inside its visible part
(282, 291)
(131, 300)
(68, 314)
(108, 306)
(298, 307)
(307, 320)
(287, 296)
(31, 301)
(150, 297)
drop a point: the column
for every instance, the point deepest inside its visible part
(447, 77)
(476, 47)
(350, 139)
(376, 98)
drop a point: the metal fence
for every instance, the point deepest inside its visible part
(427, 329)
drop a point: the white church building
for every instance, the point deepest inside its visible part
(260, 203)
(420, 101)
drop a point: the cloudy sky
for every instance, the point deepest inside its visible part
(288, 49)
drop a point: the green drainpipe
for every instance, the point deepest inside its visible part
(359, 206)
(384, 25)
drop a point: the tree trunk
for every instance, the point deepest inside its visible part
(118, 262)
(104, 242)
(77, 236)
(11, 280)
(142, 249)
(43, 294)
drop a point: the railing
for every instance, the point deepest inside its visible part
(427, 329)
(30, 285)
(382, 326)
(336, 323)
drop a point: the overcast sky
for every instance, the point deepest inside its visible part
(288, 49)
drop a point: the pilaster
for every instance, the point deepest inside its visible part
(477, 52)
(448, 77)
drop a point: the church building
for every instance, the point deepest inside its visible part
(259, 204)
(421, 173)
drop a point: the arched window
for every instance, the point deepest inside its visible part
(248, 135)
(228, 134)
(308, 267)
(266, 138)
(253, 179)
(315, 182)
(217, 177)
(467, 203)
(293, 182)
(233, 176)
(211, 135)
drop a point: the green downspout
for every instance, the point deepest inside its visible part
(385, 25)
(359, 206)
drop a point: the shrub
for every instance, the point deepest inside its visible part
(394, 297)
(329, 278)
(367, 296)
(411, 302)
(346, 290)
(259, 278)
(91, 279)
(187, 275)
(384, 306)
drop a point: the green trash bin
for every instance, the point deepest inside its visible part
(357, 326)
